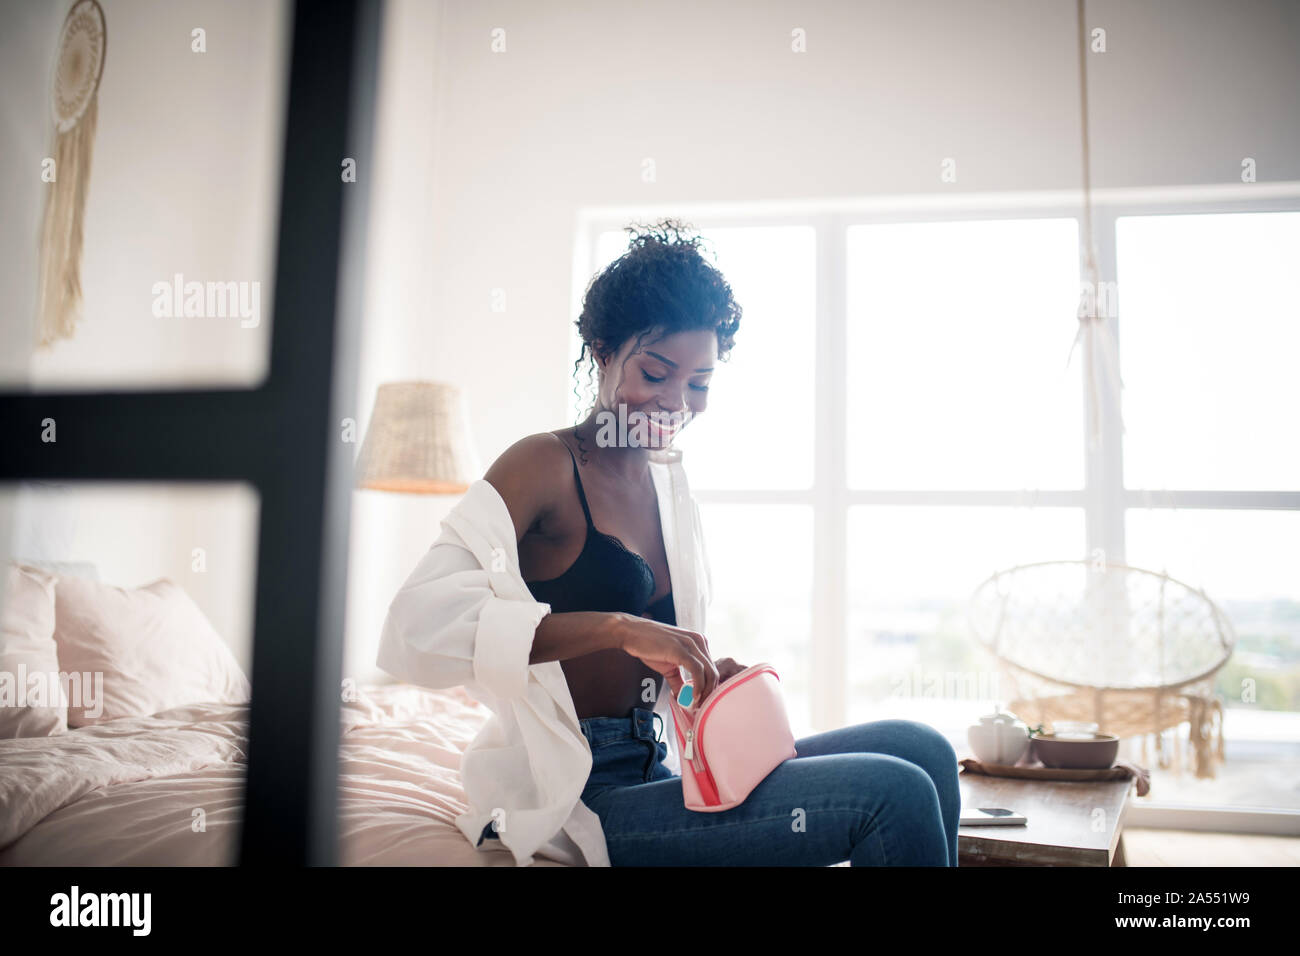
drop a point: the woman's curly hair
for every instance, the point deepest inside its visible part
(662, 282)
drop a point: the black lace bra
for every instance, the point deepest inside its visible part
(606, 576)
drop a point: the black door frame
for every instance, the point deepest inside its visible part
(285, 437)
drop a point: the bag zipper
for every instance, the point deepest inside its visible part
(702, 766)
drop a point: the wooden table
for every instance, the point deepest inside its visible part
(1071, 823)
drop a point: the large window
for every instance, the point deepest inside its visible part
(1211, 329)
(899, 421)
(957, 338)
(1210, 336)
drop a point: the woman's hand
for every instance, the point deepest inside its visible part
(727, 668)
(664, 648)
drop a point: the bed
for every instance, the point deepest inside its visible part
(164, 786)
(167, 790)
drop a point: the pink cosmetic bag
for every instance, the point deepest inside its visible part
(734, 740)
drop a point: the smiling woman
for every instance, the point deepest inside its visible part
(594, 552)
(660, 287)
(609, 578)
(654, 324)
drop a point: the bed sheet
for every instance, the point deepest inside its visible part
(167, 790)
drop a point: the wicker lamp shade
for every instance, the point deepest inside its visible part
(418, 441)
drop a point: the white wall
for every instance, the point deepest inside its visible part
(483, 160)
(389, 532)
(498, 152)
(712, 93)
(184, 178)
(202, 536)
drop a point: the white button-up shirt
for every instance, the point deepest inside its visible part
(465, 617)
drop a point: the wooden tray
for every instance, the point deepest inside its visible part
(1036, 771)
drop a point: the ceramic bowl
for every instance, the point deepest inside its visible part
(1076, 753)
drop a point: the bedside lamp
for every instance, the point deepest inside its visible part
(418, 441)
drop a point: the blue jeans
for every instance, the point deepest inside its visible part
(877, 794)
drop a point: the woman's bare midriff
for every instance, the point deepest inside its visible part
(610, 683)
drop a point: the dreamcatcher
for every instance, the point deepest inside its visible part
(78, 68)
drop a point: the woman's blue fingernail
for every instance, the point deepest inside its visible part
(685, 696)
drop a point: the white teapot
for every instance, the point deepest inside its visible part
(999, 738)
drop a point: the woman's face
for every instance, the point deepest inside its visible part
(666, 378)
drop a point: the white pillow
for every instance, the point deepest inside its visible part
(32, 702)
(148, 648)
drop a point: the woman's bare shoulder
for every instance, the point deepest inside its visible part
(530, 476)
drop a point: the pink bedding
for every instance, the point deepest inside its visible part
(167, 790)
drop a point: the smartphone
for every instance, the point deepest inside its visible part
(990, 817)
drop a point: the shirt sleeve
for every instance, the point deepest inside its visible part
(447, 627)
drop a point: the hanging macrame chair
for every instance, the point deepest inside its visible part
(1134, 651)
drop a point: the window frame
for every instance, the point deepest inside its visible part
(1103, 496)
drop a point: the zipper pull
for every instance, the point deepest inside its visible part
(690, 745)
(687, 692)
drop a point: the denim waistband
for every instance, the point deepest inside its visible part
(639, 724)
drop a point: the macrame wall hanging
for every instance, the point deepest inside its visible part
(79, 65)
